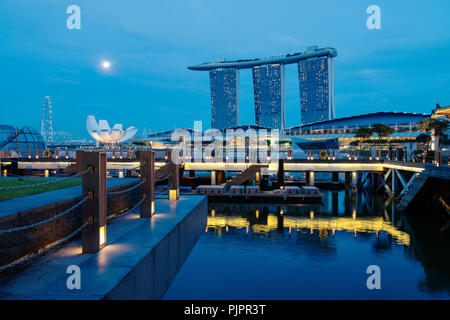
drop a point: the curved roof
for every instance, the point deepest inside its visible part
(249, 63)
(365, 120)
(20, 142)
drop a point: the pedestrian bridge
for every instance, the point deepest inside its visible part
(313, 165)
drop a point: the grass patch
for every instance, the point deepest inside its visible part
(10, 194)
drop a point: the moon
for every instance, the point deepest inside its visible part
(106, 65)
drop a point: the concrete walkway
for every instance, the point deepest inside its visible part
(141, 258)
(13, 206)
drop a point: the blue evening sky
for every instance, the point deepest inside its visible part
(403, 67)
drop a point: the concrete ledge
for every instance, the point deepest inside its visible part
(38, 207)
(141, 259)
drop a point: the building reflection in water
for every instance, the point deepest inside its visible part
(357, 217)
(367, 217)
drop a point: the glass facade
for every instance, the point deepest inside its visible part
(316, 89)
(268, 85)
(224, 98)
(20, 143)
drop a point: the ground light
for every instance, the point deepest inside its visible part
(102, 235)
(173, 195)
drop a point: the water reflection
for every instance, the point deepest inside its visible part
(356, 216)
(318, 252)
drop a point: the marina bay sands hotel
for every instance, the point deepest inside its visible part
(315, 72)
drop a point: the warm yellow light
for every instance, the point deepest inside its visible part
(213, 213)
(257, 214)
(102, 235)
(281, 212)
(153, 207)
(173, 195)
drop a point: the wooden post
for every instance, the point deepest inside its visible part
(148, 187)
(94, 209)
(79, 156)
(174, 179)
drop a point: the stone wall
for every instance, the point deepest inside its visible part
(16, 245)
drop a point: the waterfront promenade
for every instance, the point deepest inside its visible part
(140, 260)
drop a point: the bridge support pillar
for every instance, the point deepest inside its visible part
(354, 180)
(220, 177)
(258, 178)
(280, 173)
(213, 177)
(335, 203)
(394, 182)
(347, 180)
(311, 178)
(335, 177)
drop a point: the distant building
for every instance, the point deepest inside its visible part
(20, 143)
(316, 81)
(224, 98)
(441, 112)
(316, 87)
(268, 85)
(102, 132)
(399, 121)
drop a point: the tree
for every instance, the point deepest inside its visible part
(363, 133)
(425, 139)
(382, 130)
(436, 127)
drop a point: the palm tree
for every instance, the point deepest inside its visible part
(436, 127)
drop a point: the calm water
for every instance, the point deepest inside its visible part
(316, 252)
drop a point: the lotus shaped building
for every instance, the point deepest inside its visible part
(103, 133)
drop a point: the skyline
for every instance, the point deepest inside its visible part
(402, 67)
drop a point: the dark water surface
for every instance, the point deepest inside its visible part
(256, 251)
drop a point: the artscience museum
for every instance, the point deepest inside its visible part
(102, 132)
